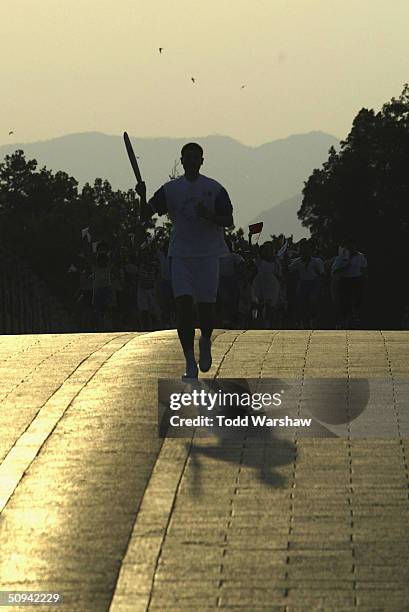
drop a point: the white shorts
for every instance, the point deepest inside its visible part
(195, 276)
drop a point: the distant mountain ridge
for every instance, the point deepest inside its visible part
(282, 219)
(257, 178)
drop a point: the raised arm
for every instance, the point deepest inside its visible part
(156, 205)
(146, 211)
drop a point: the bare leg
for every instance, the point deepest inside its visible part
(186, 332)
(206, 318)
(206, 321)
(185, 327)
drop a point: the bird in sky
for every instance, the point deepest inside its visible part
(192, 79)
(11, 132)
(160, 49)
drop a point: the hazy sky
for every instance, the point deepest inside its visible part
(94, 65)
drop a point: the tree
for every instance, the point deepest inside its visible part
(15, 180)
(362, 192)
(42, 215)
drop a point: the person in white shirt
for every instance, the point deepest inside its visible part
(199, 208)
(350, 266)
(309, 270)
(267, 283)
(228, 292)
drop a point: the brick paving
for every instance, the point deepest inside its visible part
(94, 505)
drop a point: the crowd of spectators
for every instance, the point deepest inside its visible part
(280, 284)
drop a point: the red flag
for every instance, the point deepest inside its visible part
(256, 228)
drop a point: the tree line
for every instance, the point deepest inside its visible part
(362, 192)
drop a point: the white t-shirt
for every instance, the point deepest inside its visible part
(312, 270)
(355, 264)
(193, 236)
(266, 284)
(228, 264)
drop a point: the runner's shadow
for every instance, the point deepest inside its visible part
(275, 452)
(251, 448)
(258, 451)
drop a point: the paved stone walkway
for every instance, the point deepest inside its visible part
(94, 505)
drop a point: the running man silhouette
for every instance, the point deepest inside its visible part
(199, 208)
